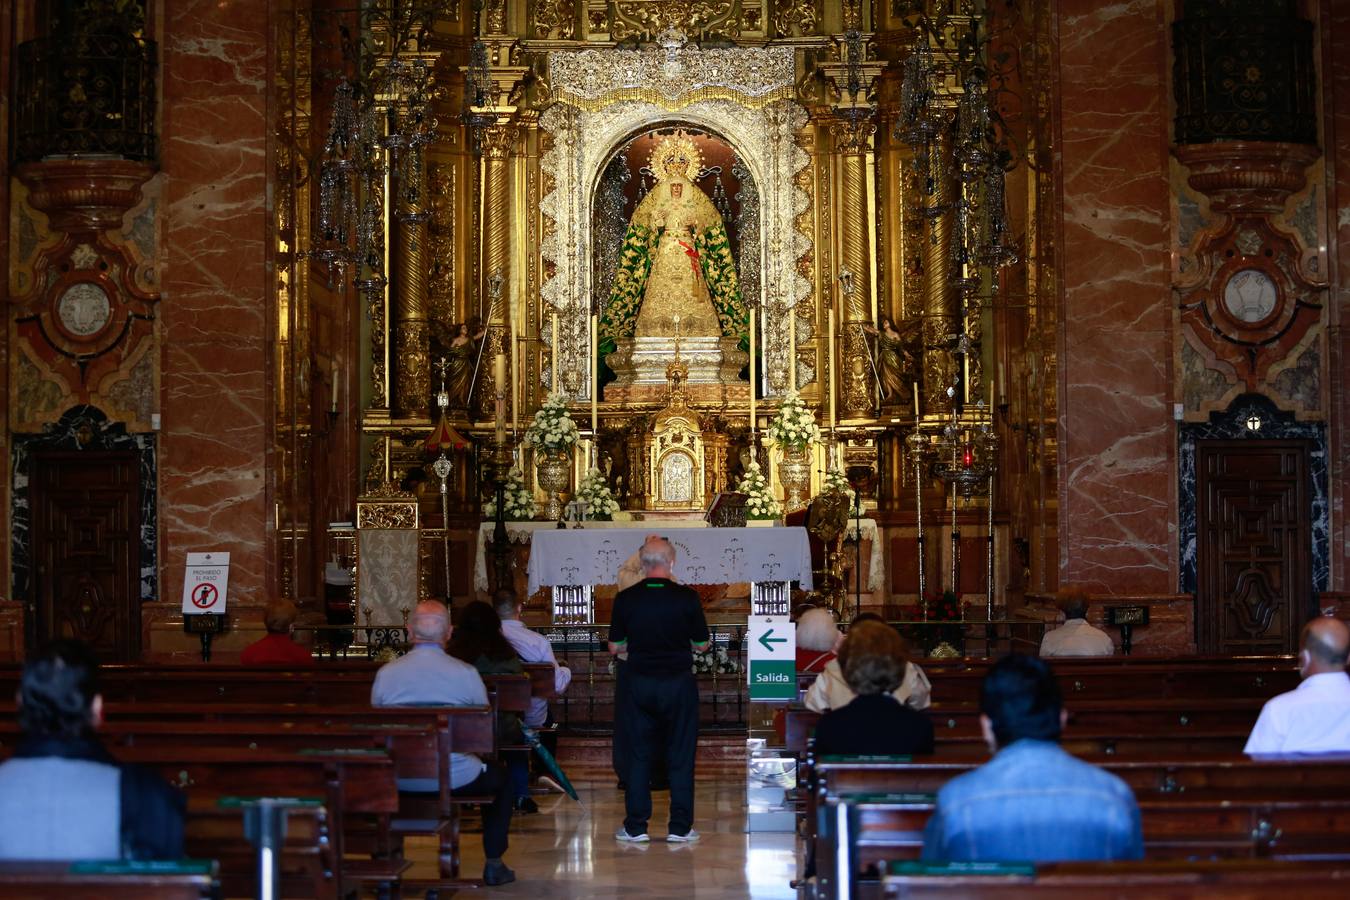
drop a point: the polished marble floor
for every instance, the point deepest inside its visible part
(568, 850)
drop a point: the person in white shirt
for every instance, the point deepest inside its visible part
(531, 647)
(1315, 716)
(1076, 637)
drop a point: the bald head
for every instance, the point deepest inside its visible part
(1327, 643)
(429, 623)
(657, 556)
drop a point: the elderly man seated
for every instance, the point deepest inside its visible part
(1315, 716)
(428, 676)
(1076, 637)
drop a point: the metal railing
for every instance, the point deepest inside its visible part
(585, 650)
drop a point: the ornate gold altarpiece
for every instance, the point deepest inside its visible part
(808, 94)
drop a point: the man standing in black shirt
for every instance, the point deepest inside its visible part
(659, 624)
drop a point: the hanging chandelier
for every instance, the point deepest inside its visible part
(381, 121)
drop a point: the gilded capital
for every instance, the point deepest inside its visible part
(497, 140)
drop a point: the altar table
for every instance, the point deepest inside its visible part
(524, 532)
(592, 556)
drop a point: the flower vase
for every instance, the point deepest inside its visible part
(795, 473)
(553, 470)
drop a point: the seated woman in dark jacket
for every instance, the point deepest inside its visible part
(477, 639)
(873, 659)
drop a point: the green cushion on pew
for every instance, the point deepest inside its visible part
(840, 758)
(241, 802)
(899, 797)
(142, 867)
(914, 867)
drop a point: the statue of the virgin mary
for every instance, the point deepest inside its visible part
(675, 271)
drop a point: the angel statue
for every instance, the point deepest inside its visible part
(675, 270)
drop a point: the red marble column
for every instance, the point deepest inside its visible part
(1335, 32)
(1116, 442)
(214, 442)
(8, 41)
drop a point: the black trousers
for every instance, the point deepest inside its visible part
(497, 814)
(660, 704)
(621, 752)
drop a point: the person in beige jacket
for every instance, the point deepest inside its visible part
(831, 691)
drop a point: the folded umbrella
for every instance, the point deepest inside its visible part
(532, 738)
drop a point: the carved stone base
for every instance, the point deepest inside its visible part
(714, 364)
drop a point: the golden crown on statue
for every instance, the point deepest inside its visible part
(677, 150)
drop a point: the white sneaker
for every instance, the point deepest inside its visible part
(623, 835)
(689, 838)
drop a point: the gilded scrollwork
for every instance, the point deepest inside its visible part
(794, 17)
(673, 75)
(441, 284)
(555, 19)
(634, 18)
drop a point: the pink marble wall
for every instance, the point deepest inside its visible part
(214, 462)
(1335, 34)
(1116, 443)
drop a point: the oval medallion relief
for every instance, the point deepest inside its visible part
(84, 309)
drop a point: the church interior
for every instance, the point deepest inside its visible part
(967, 303)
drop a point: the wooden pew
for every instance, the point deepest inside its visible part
(1191, 807)
(180, 880)
(1226, 880)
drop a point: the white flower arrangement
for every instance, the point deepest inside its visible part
(760, 502)
(519, 502)
(714, 661)
(835, 483)
(552, 428)
(794, 427)
(595, 493)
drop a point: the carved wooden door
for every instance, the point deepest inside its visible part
(86, 549)
(1253, 544)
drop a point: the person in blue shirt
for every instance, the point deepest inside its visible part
(1032, 802)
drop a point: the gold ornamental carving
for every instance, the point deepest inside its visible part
(497, 140)
(673, 75)
(413, 373)
(794, 18)
(555, 19)
(652, 17)
(387, 506)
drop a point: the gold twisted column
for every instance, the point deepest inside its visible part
(853, 141)
(497, 141)
(412, 335)
(939, 301)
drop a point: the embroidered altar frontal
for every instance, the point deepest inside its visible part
(703, 555)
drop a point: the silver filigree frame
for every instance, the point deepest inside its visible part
(584, 141)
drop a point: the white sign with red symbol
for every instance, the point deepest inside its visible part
(204, 587)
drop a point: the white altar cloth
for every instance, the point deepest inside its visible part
(592, 556)
(523, 533)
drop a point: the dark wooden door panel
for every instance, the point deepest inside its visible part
(1254, 544)
(86, 549)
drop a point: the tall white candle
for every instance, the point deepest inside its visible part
(499, 377)
(753, 369)
(595, 378)
(792, 349)
(554, 364)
